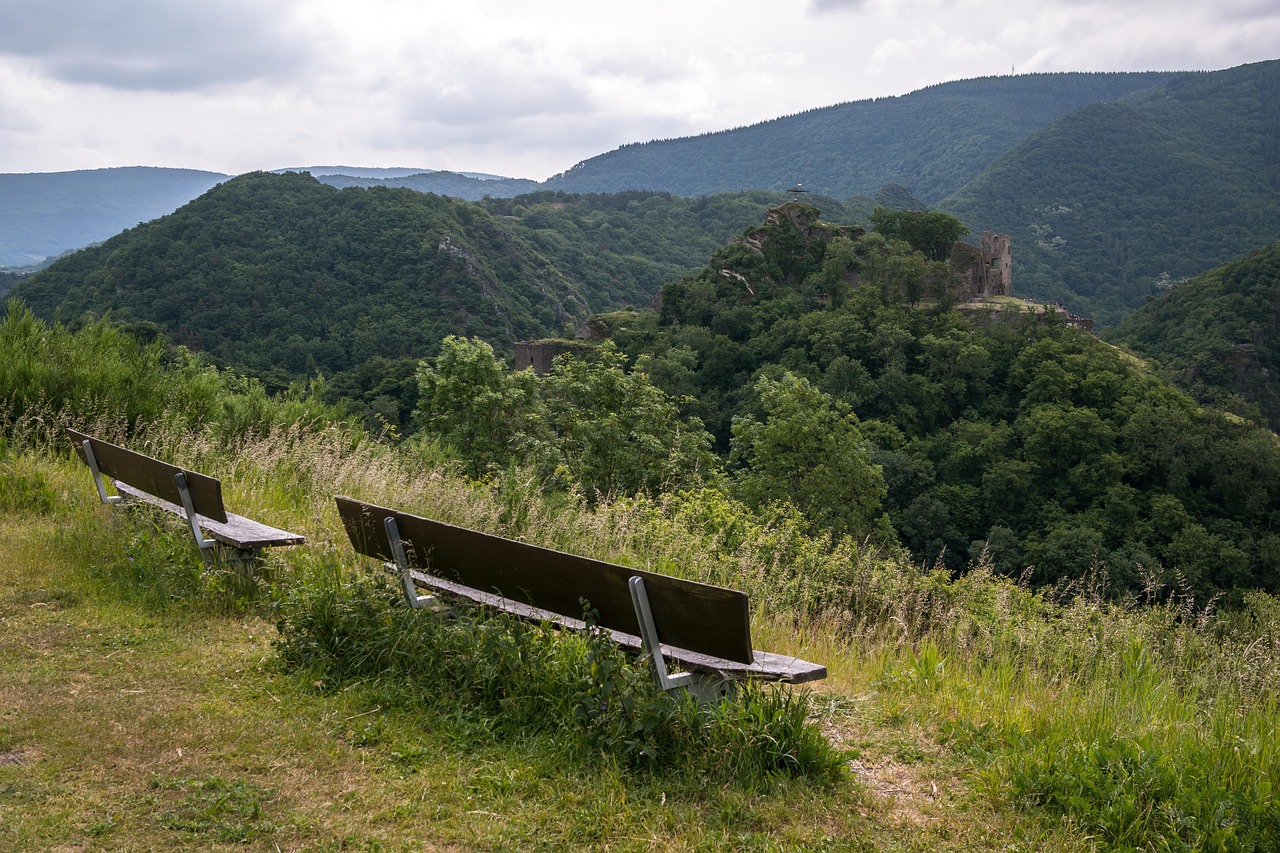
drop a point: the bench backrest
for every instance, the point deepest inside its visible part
(153, 476)
(690, 615)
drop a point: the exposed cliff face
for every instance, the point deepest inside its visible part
(804, 220)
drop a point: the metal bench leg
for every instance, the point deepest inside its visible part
(97, 474)
(401, 566)
(206, 546)
(706, 688)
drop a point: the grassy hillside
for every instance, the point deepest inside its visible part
(1216, 334)
(46, 214)
(1118, 200)
(932, 141)
(148, 704)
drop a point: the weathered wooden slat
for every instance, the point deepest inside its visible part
(153, 476)
(767, 666)
(142, 478)
(239, 532)
(698, 617)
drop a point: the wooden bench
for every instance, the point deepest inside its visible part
(195, 497)
(705, 629)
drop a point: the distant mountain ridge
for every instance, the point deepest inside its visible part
(453, 184)
(1112, 186)
(1116, 201)
(932, 140)
(46, 214)
(382, 172)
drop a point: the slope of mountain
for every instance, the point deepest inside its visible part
(1000, 432)
(44, 214)
(623, 247)
(451, 184)
(284, 276)
(1217, 335)
(1117, 200)
(932, 141)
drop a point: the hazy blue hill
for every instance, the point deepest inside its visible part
(1217, 334)
(931, 141)
(1116, 200)
(357, 171)
(48, 213)
(284, 276)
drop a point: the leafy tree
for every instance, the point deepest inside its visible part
(590, 422)
(932, 233)
(615, 433)
(469, 399)
(808, 450)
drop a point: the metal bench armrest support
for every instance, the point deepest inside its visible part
(402, 567)
(649, 636)
(206, 546)
(90, 458)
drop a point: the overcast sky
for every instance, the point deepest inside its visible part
(526, 89)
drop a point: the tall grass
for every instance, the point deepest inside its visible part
(1144, 726)
(101, 378)
(516, 679)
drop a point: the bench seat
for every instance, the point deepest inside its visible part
(243, 534)
(194, 497)
(766, 666)
(703, 628)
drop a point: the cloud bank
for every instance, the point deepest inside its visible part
(525, 89)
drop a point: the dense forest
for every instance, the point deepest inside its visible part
(811, 363)
(1119, 201)
(933, 141)
(829, 370)
(1216, 335)
(287, 278)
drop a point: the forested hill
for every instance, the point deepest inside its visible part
(283, 276)
(1119, 200)
(805, 347)
(1217, 335)
(932, 141)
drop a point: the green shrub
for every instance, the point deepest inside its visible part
(517, 678)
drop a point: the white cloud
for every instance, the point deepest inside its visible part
(525, 89)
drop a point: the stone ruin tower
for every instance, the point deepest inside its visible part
(987, 268)
(996, 271)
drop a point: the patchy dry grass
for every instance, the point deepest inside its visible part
(136, 724)
(141, 708)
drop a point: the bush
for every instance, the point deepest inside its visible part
(520, 679)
